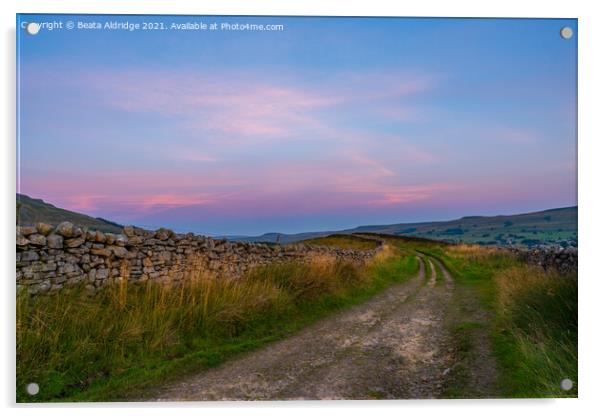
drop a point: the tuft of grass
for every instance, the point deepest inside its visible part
(130, 337)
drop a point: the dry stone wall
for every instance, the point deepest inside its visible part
(50, 258)
(565, 260)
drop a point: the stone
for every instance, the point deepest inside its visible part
(22, 241)
(27, 230)
(37, 240)
(119, 251)
(121, 240)
(65, 229)
(110, 238)
(128, 230)
(48, 267)
(166, 256)
(74, 242)
(163, 234)
(54, 241)
(104, 252)
(102, 273)
(135, 241)
(39, 288)
(29, 256)
(66, 268)
(100, 237)
(44, 228)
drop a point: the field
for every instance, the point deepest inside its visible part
(132, 338)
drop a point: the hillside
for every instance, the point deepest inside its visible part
(553, 226)
(32, 211)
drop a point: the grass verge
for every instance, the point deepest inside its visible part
(533, 330)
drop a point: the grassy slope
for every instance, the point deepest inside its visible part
(137, 337)
(531, 228)
(32, 211)
(523, 229)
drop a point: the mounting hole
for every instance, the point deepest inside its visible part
(566, 384)
(32, 28)
(566, 32)
(32, 389)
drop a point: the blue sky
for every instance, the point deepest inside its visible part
(330, 123)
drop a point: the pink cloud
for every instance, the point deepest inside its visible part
(253, 105)
(375, 165)
(353, 168)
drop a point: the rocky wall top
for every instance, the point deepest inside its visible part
(48, 257)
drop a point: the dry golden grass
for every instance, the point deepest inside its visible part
(343, 241)
(472, 251)
(68, 340)
(516, 282)
(386, 251)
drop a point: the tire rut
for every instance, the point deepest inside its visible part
(394, 346)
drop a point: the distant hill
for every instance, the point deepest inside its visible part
(282, 238)
(550, 227)
(32, 211)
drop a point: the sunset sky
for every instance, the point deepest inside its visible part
(331, 123)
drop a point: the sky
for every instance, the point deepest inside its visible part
(327, 124)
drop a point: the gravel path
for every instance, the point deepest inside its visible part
(394, 346)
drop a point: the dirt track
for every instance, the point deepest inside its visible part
(395, 346)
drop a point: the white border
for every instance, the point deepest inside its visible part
(590, 70)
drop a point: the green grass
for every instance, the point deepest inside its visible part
(536, 337)
(129, 338)
(457, 386)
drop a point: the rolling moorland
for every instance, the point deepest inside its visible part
(418, 319)
(550, 227)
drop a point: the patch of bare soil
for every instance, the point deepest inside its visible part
(395, 346)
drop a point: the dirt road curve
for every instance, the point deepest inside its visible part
(395, 346)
